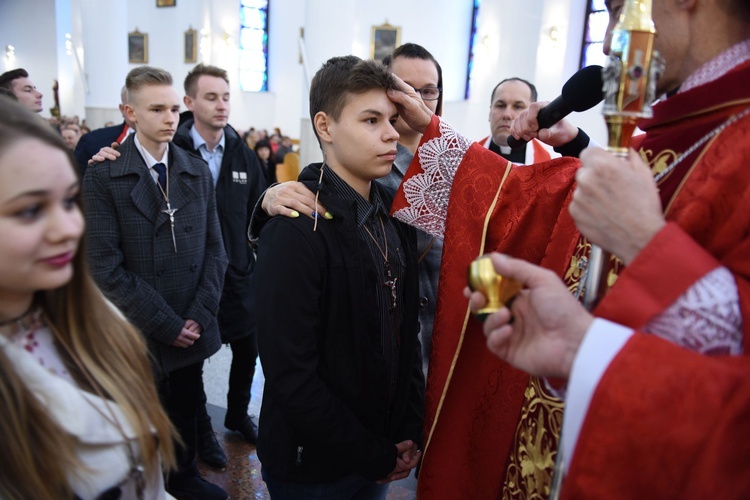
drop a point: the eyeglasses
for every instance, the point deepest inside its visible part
(430, 93)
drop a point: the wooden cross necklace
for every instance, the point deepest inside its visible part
(390, 281)
(169, 210)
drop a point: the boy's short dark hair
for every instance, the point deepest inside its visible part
(145, 75)
(415, 51)
(191, 80)
(6, 79)
(341, 76)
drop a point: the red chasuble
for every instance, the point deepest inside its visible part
(474, 400)
(640, 441)
(490, 430)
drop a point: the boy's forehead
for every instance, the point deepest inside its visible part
(150, 95)
(373, 100)
(22, 82)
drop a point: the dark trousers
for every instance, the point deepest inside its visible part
(241, 373)
(181, 400)
(352, 487)
(244, 357)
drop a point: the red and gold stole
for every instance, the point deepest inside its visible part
(473, 399)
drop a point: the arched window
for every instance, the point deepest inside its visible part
(597, 19)
(254, 45)
(472, 45)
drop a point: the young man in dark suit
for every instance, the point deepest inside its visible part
(156, 251)
(239, 182)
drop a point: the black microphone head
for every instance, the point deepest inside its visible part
(584, 89)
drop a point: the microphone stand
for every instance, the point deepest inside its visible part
(629, 78)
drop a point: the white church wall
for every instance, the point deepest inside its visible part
(512, 40)
(29, 27)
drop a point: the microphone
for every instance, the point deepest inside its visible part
(581, 92)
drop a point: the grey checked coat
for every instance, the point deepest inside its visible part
(132, 258)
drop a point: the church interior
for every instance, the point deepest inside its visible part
(78, 52)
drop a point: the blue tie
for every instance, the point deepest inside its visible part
(161, 169)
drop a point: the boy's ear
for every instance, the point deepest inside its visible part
(322, 123)
(188, 102)
(129, 113)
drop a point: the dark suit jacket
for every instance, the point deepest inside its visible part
(90, 144)
(132, 257)
(239, 186)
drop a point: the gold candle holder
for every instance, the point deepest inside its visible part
(629, 77)
(499, 290)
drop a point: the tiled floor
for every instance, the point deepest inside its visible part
(242, 479)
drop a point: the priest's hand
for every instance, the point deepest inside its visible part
(411, 107)
(525, 126)
(545, 326)
(616, 203)
(290, 199)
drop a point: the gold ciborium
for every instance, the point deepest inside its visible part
(499, 290)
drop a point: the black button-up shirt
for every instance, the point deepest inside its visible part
(372, 219)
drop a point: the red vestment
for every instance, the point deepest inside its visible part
(640, 441)
(490, 430)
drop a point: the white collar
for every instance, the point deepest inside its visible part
(150, 160)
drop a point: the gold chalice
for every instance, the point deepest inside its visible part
(499, 290)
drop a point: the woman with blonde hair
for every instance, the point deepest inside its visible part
(80, 413)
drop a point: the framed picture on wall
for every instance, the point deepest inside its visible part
(384, 39)
(166, 3)
(190, 44)
(137, 47)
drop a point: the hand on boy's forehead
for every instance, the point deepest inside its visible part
(418, 74)
(404, 87)
(373, 102)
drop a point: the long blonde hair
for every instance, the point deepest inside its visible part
(105, 354)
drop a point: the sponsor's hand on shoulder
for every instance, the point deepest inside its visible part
(106, 153)
(291, 199)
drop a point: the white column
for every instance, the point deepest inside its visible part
(104, 57)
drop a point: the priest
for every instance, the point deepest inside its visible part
(674, 212)
(644, 418)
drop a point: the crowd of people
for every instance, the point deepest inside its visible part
(126, 265)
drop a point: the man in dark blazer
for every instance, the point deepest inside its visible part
(89, 144)
(156, 251)
(239, 182)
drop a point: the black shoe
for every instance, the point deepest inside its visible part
(209, 449)
(195, 488)
(244, 426)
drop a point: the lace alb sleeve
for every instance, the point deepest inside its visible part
(706, 318)
(427, 193)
